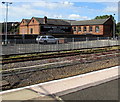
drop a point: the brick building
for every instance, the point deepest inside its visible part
(23, 28)
(37, 26)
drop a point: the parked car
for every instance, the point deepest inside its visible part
(46, 39)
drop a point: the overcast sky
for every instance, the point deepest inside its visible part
(61, 9)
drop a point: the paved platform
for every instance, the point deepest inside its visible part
(53, 89)
(105, 92)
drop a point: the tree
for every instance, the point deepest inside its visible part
(12, 27)
(103, 17)
(118, 28)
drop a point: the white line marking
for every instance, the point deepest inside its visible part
(54, 81)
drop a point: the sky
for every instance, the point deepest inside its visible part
(58, 9)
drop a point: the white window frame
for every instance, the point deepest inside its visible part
(74, 29)
(97, 29)
(84, 29)
(90, 28)
(79, 29)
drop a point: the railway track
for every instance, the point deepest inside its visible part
(48, 55)
(89, 58)
(73, 65)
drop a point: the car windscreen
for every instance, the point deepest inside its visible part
(43, 36)
(50, 37)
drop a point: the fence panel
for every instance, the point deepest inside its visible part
(18, 46)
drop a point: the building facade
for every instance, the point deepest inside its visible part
(12, 28)
(23, 28)
(103, 27)
(41, 26)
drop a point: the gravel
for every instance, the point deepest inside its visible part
(52, 60)
(38, 62)
(30, 78)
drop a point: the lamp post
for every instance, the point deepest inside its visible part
(114, 24)
(13, 28)
(7, 3)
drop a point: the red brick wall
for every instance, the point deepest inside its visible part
(35, 29)
(34, 24)
(23, 29)
(87, 30)
(105, 30)
(108, 28)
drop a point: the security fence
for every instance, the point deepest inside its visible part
(21, 46)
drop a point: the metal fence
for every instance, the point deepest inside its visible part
(21, 46)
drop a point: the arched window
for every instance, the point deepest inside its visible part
(74, 28)
(97, 29)
(33, 20)
(31, 30)
(90, 29)
(85, 29)
(79, 29)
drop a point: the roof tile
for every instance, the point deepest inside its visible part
(71, 22)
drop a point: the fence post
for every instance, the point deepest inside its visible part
(86, 42)
(38, 46)
(98, 38)
(98, 43)
(108, 41)
(117, 41)
(73, 40)
(57, 46)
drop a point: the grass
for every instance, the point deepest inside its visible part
(93, 50)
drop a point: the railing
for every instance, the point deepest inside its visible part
(21, 46)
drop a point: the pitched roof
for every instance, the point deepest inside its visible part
(70, 22)
(89, 22)
(27, 20)
(40, 20)
(53, 21)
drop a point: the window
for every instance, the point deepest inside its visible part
(33, 21)
(44, 37)
(74, 28)
(31, 30)
(79, 29)
(90, 29)
(85, 29)
(97, 29)
(50, 37)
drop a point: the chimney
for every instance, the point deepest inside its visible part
(45, 19)
(111, 16)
